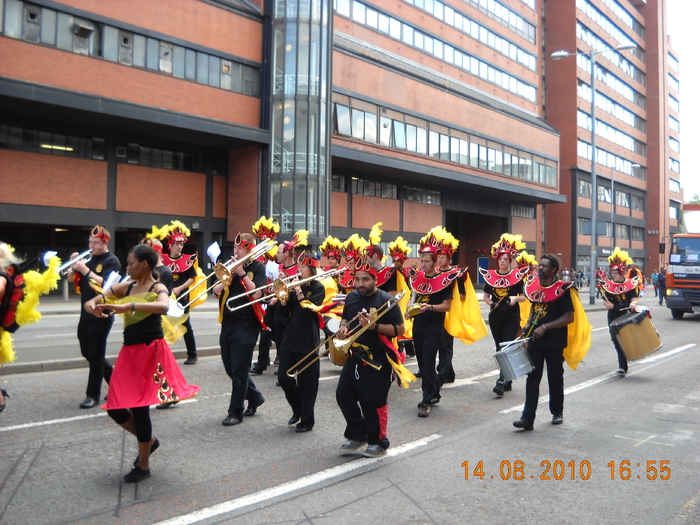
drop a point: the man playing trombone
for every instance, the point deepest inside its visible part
(240, 327)
(364, 383)
(93, 332)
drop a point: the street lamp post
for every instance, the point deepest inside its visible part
(594, 183)
(612, 214)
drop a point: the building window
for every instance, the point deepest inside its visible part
(584, 189)
(622, 231)
(525, 212)
(673, 82)
(611, 161)
(51, 143)
(164, 159)
(637, 203)
(674, 185)
(674, 104)
(673, 212)
(420, 195)
(674, 165)
(584, 226)
(374, 189)
(604, 194)
(674, 124)
(637, 234)
(674, 144)
(673, 62)
(622, 199)
(338, 183)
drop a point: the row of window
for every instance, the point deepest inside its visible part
(613, 108)
(625, 16)
(674, 124)
(45, 26)
(409, 35)
(385, 190)
(295, 9)
(674, 144)
(504, 16)
(599, 45)
(51, 143)
(622, 198)
(454, 146)
(611, 160)
(673, 82)
(674, 104)
(525, 212)
(612, 134)
(674, 185)
(673, 62)
(477, 31)
(622, 231)
(674, 165)
(609, 26)
(164, 159)
(611, 80)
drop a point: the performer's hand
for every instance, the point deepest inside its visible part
(364, 318)
(512, 300)
(80, 267)
(539, 332)
(425, 307)
(607, 304)
(342, 332)
(273, 301)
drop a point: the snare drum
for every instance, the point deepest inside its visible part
(636, 335)
(514, 360)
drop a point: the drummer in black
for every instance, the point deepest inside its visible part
(619, 297)
(503, 292)
(552, 311)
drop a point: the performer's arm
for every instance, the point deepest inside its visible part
(440, 308)
(564, 320)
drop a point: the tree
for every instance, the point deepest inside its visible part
(695, 199)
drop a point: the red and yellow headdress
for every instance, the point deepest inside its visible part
(331, 247)
(101, 233)
(375, 237)
(173, 232)
(308, 258)
(363, 264)
(266, 228)
(619, 260)
(438, 241)
(508, 244)
(399, 250)
(240, 241)
(525, 259)
(355, 247)
(300, 239)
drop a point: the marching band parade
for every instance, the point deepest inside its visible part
(369, 309)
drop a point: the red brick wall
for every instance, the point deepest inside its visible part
(220, 196)
(525, 227)
(420, 218)
(366, 211)
(140, 189)
(243, 177)
(339, 209)
(48, 180)
(47, 66)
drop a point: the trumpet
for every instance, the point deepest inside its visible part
(343, 345)
(280, 289)
(66, 266)
(224, 271)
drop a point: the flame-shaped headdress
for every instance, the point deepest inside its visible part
(101, 233)
(355, 247)
(308, 258)
(300, 239)
(331, 247)
(399, 250)
(240, 241)
(525, 259)
(266, 228)
(363, 264)
(173, 232)
(375, 237)
(438, 241)
(619, 260)
(508, 244)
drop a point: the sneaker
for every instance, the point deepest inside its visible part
(374, 451)
(190, 360)
(88, 403)
(621, 372)
(351, 445)
(423, 410)
(137, 474)
(499, 389)
(557, 420)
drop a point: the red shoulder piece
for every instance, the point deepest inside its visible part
(618, 288)
(422, 284)
(181, 264)
(347, 280)
(544, 294)
(498, 280)
(384, 275)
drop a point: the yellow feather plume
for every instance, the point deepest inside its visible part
(36, 284)
(525, 259)
(375, 235)
(399, 246)
(7, 354)
(301, 237)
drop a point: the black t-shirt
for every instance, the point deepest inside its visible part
(553, 338)
(243, 317)
(431, 321)
(390, 284)
(301, 334)
(102, 265)
(165, 276)
(619, 302)
(500, 296)
(354, 303)
(182, 277)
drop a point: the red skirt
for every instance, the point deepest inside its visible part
(147, 375)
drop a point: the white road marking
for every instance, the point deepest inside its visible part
(604, 377)
(291, 486)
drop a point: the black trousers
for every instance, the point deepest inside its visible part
(427, 346)
(446, 374)
(503, 328)
(555, 377)
(92, 337)
(362, 397)
(300, 392)
(189, 338)
(237, 347)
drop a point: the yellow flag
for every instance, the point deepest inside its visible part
(579, 333)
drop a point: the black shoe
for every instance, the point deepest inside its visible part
(524, 424)
(293, 420)
(557, 420)
(419, 374)
(154, 447)
(190, 361)
(257, 370)
(230, 421)
(137, 474)
(89, 403)
(303, 429)
(508, 386)
(276, 361)
(253, 407)
(499, 389)
(434, 401)
(5, 394)
(163, 406)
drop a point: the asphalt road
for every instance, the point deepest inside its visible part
(60, 464)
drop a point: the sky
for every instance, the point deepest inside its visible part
(682, 28)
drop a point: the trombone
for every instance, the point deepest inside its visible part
(224, 272)
(280, 289)
(343, 345)
(66, 266)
